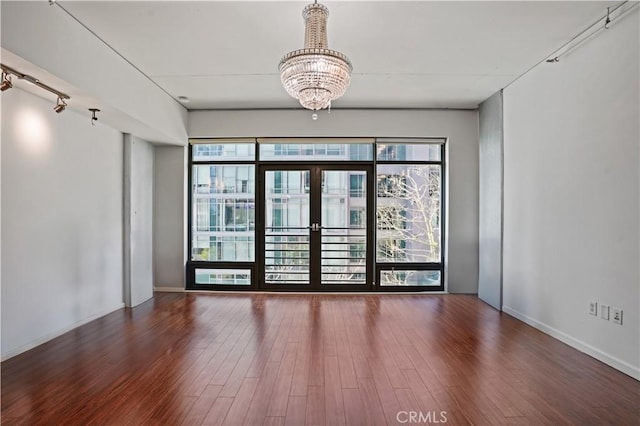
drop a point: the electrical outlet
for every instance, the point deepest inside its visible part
(593, 308)
(617, 316)
(604, 312)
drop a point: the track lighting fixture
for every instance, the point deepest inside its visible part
(6, 84)
(612, 15)
(60, 105)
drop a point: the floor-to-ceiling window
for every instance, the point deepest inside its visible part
(316, 215)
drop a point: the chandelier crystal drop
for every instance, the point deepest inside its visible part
(315, 75)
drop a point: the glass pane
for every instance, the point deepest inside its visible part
(224, 151)
(287, 226)
(320, 152)
(408, 213)
(223, 213)
(408, 152)
(344, 227)
(223, 276)
(213, 248)
(410, 278)
(224, 179)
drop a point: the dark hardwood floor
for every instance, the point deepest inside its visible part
(276, 359)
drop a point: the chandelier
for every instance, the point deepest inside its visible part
(315, 75)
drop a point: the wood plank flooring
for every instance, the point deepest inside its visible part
(280, 359)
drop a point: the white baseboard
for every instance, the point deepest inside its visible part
(168, 289)
(44, 339)
(596, 353)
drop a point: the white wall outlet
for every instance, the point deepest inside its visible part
(593, 308)
(617, 315)
(604, 312)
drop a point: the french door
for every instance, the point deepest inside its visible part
(312, 230)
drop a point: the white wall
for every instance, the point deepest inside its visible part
(571, 196)
(138, 220)
(460, 127)
(61, 221)
(169, 217)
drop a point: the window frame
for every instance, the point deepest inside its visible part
(413, 266)
(378, 267)
(193, 265)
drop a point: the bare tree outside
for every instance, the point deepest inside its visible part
(408, 213)
(408, 216)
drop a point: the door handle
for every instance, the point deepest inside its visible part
(315, 227)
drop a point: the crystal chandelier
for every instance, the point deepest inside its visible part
(315, 75)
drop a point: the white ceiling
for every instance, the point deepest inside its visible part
(408, 54)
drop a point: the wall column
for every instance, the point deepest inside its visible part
(491, 138)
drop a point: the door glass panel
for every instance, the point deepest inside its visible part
(286, 227)
(344, 227)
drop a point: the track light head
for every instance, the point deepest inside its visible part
(6, 82)
(93, 115)
(60, 105)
